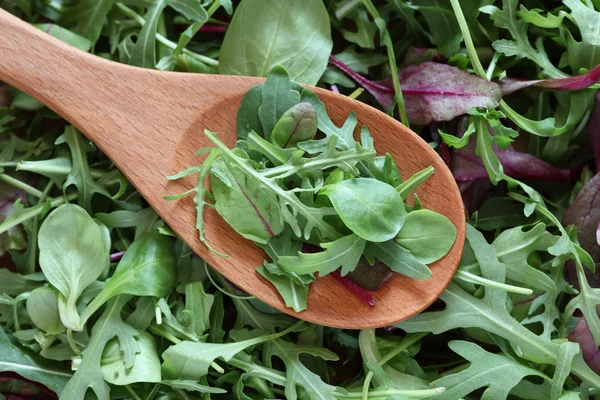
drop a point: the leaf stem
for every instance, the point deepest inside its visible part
(20, 185)
(469, 277)
(411, 394)
(464, 28)
(132, 393)
(387, 41)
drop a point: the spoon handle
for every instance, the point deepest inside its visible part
(47, 69)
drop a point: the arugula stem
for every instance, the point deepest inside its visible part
(408, 341)
(33, 235)
(492, 66)
(272, 375)
(132, 392)
(283, 170)
(464, 28)
(347, 8)
(407, 187)
(32, 212)
(73, 342)
(414, 394)
(20, 185)
(163, 40)
(387, 41)
(469, 277)
(356, 93)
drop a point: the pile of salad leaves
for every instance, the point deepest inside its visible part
(505, 91)
(321, 206)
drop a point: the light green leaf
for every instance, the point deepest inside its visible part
(497, 372)
(265, 33)
(146, 365)
(566, 352)
(191, 9)
(66, 36)
(427, 235)
(72, 256)
(365, 32)
(371, 209)
(89, 373)
(345, 252)
(198, 305)
(42, 306)
(144, 52)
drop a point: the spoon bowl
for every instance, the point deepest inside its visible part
(150, 123)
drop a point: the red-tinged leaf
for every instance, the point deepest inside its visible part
(584, 213)
(432, 91)
(354, 288)
(467, 166)
(591, 354)
(578, 82)
(593, 131)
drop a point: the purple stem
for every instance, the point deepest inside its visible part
(334, 89)
(213, 28)
(355, 289)
(358, 77)
(114, 257)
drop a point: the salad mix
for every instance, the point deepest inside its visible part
(99, 299)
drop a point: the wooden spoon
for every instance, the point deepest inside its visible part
(150, 123)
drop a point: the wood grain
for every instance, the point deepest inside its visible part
(150, 124)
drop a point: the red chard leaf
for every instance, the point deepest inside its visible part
(593, 131)
(578, 82)
(432, 91)
(591, 354)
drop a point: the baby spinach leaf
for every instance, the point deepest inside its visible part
(397, 258)
(42, 306)
(427, 235)
(370, 208)
(14, 358)
(247, 117)
(146, 365)
(278, 97)
(89, 372)
(344, 252)
(146, 269)
(72, 257)
(297, 124)
(241, 200)
(263, 34)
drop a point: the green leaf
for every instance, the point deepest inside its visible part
(293, 294)
(142, 220)
(13, 284)
(191, 385)
(42, 306)
(80, 175)
(370, 208)
(566, 352)
(297, 124)
(427, 235)
(266, 33)
(66, 36)
(364, 36)
(360, 62)
(498, 373)
(443, 26)
(191, 9)
(244, 203)
(584, 54)
(296, 373)
(146, 269)
(486, 152)
(144, 52)
(198, 306)
(345, 252)
(275, 154)
(14, 358)
(146, 365)
(89, 373)
(398, 259)
(277, 96)
(72, 257)
(87, 17)
(247, 117)
(190, 360)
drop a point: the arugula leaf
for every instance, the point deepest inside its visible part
(263, 34)
(89, 17)
(344, 252)
(72, 257)
(89, 373)
(144, 52)
(294, 295)
(397, 258)
(498, 372)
